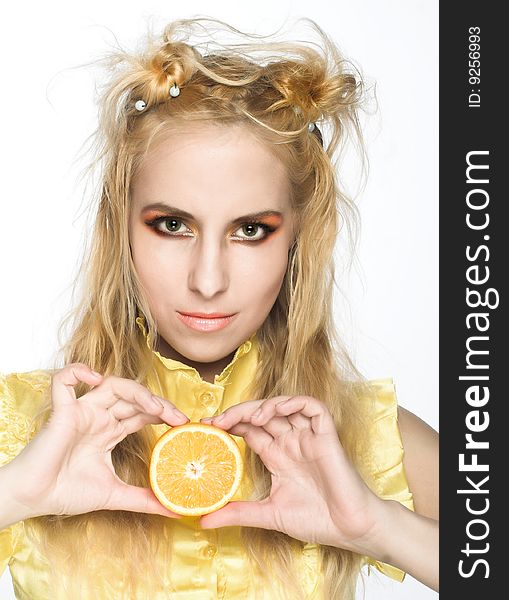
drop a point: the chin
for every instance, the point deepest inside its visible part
(207, 357)
(204, 351)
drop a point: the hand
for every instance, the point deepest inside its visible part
(316, 494)
(67, 468)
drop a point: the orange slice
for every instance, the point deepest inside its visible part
(195, 469)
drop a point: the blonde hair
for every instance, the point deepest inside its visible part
(275, 89)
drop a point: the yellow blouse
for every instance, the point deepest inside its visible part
(208, 563)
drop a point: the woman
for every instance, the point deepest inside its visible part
(208, 297)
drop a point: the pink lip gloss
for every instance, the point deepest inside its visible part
(204, 324)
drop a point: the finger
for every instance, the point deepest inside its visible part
(277, 426)
(239, 413)
(256, 437)
(117, 388)
(133, 424)
(123, 409)
(114, 388)
(170, 413)
(63, 382)
(321, 419)
(137, 499)
(299, 422)
(249, 514)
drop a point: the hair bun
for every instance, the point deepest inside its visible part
(175, 61)
(159, 73)
(311, 89)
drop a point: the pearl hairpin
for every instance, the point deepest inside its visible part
(141, 105)
(174, 90)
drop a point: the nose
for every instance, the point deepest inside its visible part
(208, 269)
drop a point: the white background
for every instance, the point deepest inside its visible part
(390, 320)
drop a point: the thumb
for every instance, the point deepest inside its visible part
(138, 499)
(249, 514)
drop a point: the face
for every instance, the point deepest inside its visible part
(210, 228)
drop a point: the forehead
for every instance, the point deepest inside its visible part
(212, 165)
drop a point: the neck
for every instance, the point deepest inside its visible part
(207, 371)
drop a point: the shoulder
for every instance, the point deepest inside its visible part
(421, 461)
(381, 459)
(23, 396)
(15, 388)
(404, 448)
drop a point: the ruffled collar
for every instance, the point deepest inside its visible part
(250, 345)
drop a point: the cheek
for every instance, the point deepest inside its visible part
(260, 277)
(158, 273)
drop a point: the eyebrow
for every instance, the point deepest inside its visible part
(173, 210)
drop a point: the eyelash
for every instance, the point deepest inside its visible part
(268, 229)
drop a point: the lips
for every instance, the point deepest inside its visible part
(206, 315)
(206, 321)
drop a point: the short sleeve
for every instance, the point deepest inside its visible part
(6, 448)
(21, 397)
(5, 421)
(385, 460)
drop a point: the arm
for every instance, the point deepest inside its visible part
(11, 512)
(409, 540)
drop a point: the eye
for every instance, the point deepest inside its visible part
(168, 226)
(255, 231)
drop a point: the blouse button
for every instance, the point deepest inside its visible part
(211, 550)
(207, 398)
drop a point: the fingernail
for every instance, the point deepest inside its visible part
(257, 413)
(179, 413)
(96, 374)
(206, 419)
(219, 417)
